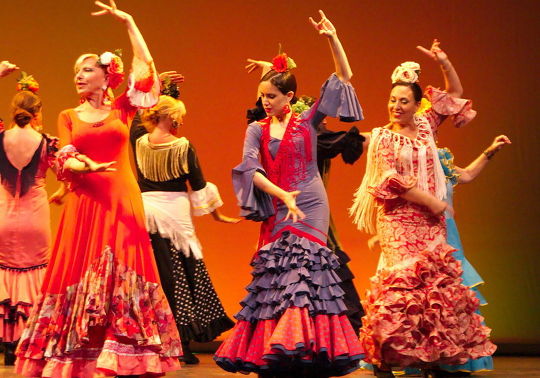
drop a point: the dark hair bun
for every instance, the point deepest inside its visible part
(22, 117)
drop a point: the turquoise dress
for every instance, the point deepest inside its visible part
(470, 276)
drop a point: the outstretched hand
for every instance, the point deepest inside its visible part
(113, 10)
(256, 64)
(290, 201)
(435, 52)
(499, 142)
(6, 68)
(324, 26)
(173, 76)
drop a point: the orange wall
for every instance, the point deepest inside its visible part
(493, 45)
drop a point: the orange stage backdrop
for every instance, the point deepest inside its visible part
(493, 44)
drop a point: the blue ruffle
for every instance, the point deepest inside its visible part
(254, 203)
(293, 271)
(338, 99)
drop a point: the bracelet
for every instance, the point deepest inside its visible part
(489, 153)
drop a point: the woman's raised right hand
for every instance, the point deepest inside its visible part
(256, 64)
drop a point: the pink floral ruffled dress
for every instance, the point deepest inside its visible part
(418, 312)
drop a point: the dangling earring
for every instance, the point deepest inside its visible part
(287, 109)
(174, 124)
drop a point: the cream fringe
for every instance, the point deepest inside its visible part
(162, 162)
(364, 205)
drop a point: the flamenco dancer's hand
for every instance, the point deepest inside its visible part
(58, 196)
(498, 143)
(100, 167)
(435, 52)
(218, 216)
(173, 76)
(254, 65)
(438, 207)
(113, 10)
(373, 242)
(324, 26)
(289, 198)
(6, 68)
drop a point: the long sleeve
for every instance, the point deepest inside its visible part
(254, 203)
(204, 195)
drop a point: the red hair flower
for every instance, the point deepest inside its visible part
(27, 83)
(279, 63)
(115, 68)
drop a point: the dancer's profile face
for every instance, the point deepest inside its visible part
(401, 105)
(273, 101)
(89, 77)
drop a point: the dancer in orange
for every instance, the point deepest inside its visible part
(102, 310)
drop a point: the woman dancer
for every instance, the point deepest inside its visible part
(25, 235)
(417, 312)
(456, 175)
(292, 320)
(166, 163)
(102, 311)
(330, 144)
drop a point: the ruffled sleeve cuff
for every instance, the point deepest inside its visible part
(205, 200)
(254, 203)
(459, 109)
(392, 187)
(143, 84)
(338, 99)
(67, 152)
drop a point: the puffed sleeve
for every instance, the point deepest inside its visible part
(347, 143)
(337, 99)
(389, 183)
(444, 105)
(142, 91)
(204, 195)
(254, 203)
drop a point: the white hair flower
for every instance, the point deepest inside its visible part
(406, 72)
(106, 58)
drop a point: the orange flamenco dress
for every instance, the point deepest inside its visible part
(102, 308)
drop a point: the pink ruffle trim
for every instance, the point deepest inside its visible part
(18, 292)
(392, 187)
(459, 109)
(420, 314)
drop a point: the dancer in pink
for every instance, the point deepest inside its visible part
(418, 313)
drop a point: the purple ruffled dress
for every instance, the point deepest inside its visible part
(293, 317)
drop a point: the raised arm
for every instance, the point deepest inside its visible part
(6, 68)
(140, 49)
(468, 174)
(325, 27)
(451, 79)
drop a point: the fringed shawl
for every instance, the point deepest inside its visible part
(402, 164)
(162, 162)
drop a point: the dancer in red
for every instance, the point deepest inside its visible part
(102, 311)
(25, 229)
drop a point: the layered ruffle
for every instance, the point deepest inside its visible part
(293, 316)
(338, 99)
(295, 342)
(143, 84)
(392, 186)
(112, 319)
(460, 110)
(419, 313)
(19, 290)
(254, 203)
(293, 271)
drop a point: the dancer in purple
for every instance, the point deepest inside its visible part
(293, 319)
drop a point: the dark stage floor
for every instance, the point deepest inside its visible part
(505, 367)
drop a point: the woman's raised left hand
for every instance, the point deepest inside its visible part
(324, 26)
(113, 10)
(435, 52)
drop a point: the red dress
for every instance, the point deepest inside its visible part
(102, 307)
